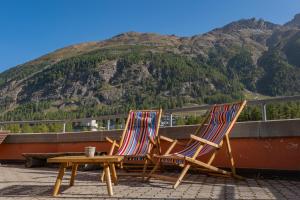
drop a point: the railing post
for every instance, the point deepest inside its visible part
(171, 120)
(108, 124)
(64, 127)
(264, 112)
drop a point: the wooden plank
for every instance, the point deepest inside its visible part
(84, 159)
(153, 170)
(112, 141)
(145, 169)
(166, 138)
(215, 153)
(112, 148)
(229, 152)
(204, 141)
(171, 147)
(158, 121)
(102, 177)
(183, 173)
(125, 128)
(40, 159)
(168, 156)
(113, 173)
(80, 162)
(197, 152)
(202, 164)
(51, 155)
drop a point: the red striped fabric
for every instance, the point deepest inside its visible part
(221, 117)
(2, 137)
(141, 126)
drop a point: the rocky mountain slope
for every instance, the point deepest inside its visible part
(150, 70)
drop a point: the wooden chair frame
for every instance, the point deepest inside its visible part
(153, 143)
(189, 161)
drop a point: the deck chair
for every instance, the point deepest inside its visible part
(207, 139)
(138, 139)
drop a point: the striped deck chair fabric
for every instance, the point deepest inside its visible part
(221, 117)
(138, 139)
(142, 126)
(207, 139)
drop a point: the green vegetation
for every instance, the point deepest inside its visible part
(193, 85)
(150, 80)
(129, 72)
(280, 78)
(288, 110)
(242, 68)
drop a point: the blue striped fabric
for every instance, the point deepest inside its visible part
(221, 117)
(141, 126)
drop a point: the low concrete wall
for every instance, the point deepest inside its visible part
(256, 129)
(261, 145)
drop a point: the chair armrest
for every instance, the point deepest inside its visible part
(166, 138)
(171, 140)
(111, 141)
(204, 141)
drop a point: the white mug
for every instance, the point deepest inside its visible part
(89, 151)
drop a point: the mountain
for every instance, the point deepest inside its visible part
(294, 22)
(139, 70)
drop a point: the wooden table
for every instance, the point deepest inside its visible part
(66, 161)
(40, 159)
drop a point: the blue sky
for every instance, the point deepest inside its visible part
(31, 28)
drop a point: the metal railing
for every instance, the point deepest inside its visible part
(170, 112)
(262, 102)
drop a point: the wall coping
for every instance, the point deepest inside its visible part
(250, 129)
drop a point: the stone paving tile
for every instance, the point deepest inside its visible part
(21, 183)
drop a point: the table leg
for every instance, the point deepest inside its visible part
(108, 180)
(74, 173)
(102, 177)
(59, 178)
(113, 173)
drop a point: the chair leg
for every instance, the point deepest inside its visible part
(113, 174)
(144, 169)
(184, 171)
(102, 177)
(153, 170)
(229, 152)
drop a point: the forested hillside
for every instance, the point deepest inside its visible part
(145, 70)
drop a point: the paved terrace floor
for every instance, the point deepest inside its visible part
(17, 182)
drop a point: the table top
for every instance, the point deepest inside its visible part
(85, 159)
